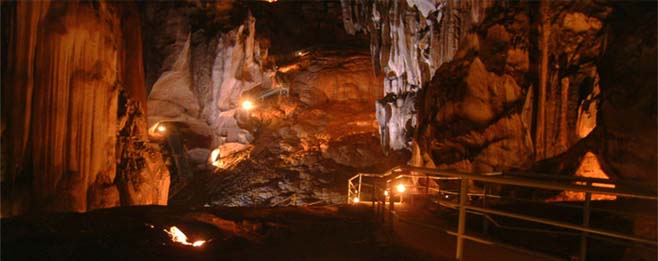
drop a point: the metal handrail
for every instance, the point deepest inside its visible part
(580, 184)
(527, 182)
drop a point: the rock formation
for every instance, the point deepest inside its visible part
(524, 89)
(73, 109)
(409, 40)
(202, 78)
(307, 143)
(306, 140)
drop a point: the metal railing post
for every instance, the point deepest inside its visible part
(391, 203)
(461, 227)
(358, 195)
(349, 191)
(586, 217)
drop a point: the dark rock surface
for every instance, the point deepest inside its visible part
(136, 233)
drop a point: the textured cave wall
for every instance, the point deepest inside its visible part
(204, 57)
(481, 111)
(409, 40)
(73, 97)
(532, 85)
(628, 72)
(307, 143)
(334, 76)
(199, 71)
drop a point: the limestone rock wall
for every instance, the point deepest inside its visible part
(73, 104)
(409, 40)
(307, 143)
(202, 76)
(332, 76)
(628, 109)
(516, 85)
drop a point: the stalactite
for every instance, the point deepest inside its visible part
(409, 41)
(75, 66)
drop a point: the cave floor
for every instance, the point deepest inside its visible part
(137, 233)
(266, 233)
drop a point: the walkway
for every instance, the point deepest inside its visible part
(417, 229)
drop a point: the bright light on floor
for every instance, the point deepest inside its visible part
(356, 200)
(401, 188)
(247, 105)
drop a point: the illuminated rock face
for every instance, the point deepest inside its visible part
(73, 102)
(487, 102)
(308, 142)
(334, 77)
(409, 41)
(201, 79)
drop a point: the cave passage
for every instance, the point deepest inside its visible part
(333, 129)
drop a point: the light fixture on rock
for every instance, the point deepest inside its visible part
(247, 105)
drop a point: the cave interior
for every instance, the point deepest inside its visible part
(331, 129)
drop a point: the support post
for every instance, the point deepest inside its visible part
(358, 195)
(427, 184)
(586, 216)
(391, 203)
(349, 191)
(462, 218)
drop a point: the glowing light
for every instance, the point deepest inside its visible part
(356, 200)
(214, 158)
(300, 53)
(385, 192)
(162, 128)
(401, 188)
(214, 154)
(247, 105)
(178, 236)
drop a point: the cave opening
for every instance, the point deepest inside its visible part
(332, 129)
